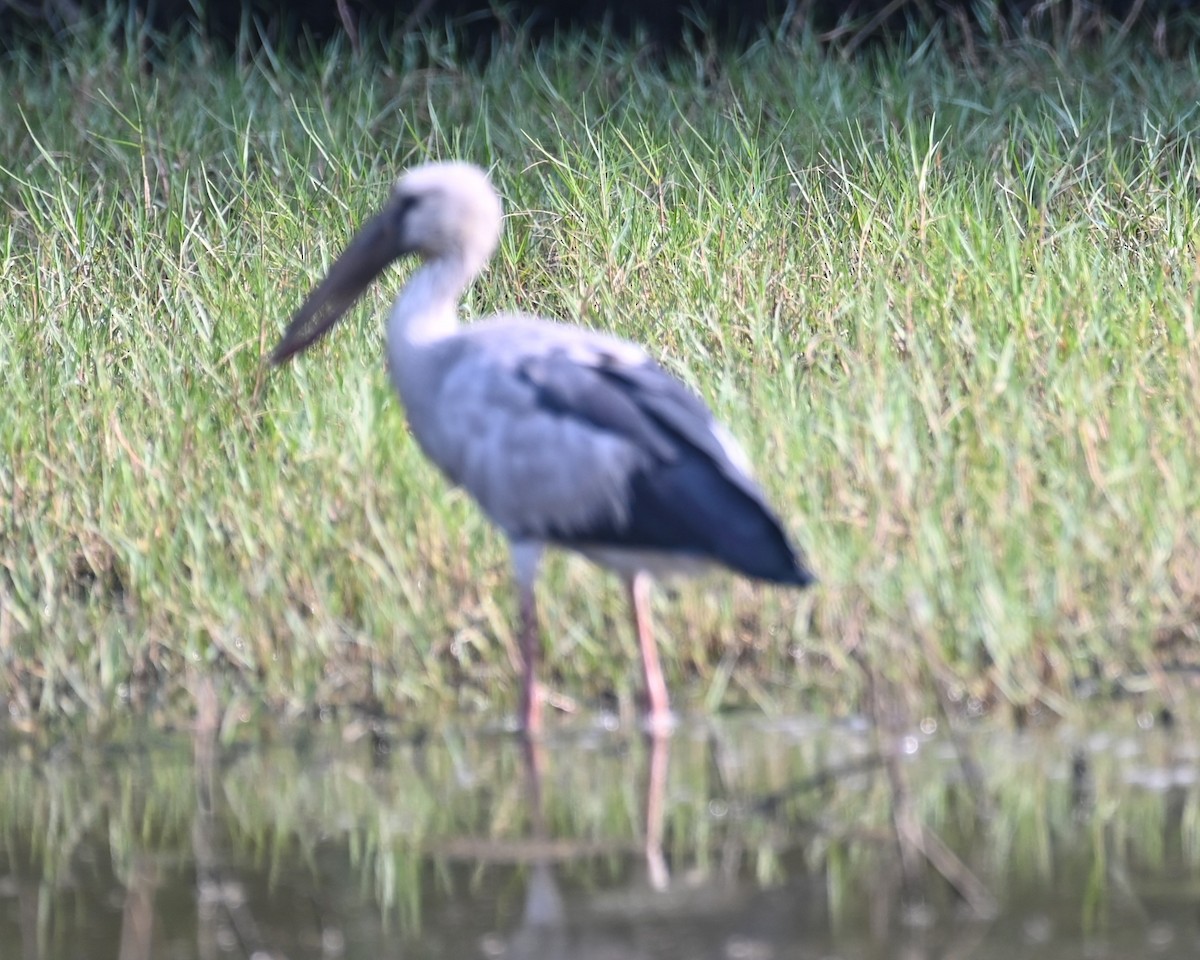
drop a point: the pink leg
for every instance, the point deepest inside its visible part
(659, 715)
(525, 556)
(531, 698)
(532, 752)
(656, 788)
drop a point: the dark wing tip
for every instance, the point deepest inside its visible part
(800, 576)
(795, 569)
(773, 559)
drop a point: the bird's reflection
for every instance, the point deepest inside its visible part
(656, 808)
(544, 929)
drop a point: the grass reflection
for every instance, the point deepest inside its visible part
(469, 842)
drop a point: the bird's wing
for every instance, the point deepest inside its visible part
(675, 408)
(536, 437)
(580, 444)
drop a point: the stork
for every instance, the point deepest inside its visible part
(565, 437)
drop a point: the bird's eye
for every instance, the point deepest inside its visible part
(404, 208)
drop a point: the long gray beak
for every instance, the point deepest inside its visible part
(372, 249)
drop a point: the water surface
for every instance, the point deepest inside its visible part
(742, 840)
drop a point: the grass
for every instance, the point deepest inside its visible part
(948, 308)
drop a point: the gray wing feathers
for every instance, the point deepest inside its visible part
(545, 427)
(676, 406)
(573, 389)
(532, 470)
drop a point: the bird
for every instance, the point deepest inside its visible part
(565, 436)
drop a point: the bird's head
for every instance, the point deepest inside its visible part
(446, 210)
(443, 211)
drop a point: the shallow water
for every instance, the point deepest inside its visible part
(740, 840)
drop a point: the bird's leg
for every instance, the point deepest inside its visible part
(659, 713)
(531, 696)
(525, 563)
(656, 785)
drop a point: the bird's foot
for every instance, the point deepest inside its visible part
(659, 723)
(529, 717)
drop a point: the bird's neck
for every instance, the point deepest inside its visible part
(427, 308)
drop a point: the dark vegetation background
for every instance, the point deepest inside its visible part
(1172, 26)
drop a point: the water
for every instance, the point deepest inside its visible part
(741, 840)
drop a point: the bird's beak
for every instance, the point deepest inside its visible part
(374, 247)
